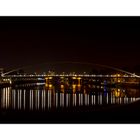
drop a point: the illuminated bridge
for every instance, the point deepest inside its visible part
(70, 75)
(120, 76)
(77, 79)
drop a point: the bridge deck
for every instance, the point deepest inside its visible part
(59, 75)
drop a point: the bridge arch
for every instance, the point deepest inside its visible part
(76, 62)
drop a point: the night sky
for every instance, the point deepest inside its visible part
(113, 41)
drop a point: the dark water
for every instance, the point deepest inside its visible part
(40, 103)
(41, 97)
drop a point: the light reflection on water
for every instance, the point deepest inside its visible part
(42, 98)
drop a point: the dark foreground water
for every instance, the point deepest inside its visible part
(69, 104)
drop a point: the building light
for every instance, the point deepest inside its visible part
(118, 75)
(79, 78)
(73, 77)
(50, 85)
(62, 86)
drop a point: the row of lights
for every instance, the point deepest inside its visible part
(74, 75)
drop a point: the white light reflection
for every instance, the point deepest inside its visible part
(56, 101)
(48, 99)
(85, 99)
(107, 98)
(75, 99)
(94, 99)
(24, 99)
(62, 99)
(38, 101)
(18, 99)
(67, 100)
(81, 99)
(14, 99)
(88, 99)
(43, 100)
(31, 99)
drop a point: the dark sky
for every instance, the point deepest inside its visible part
(112, 41)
